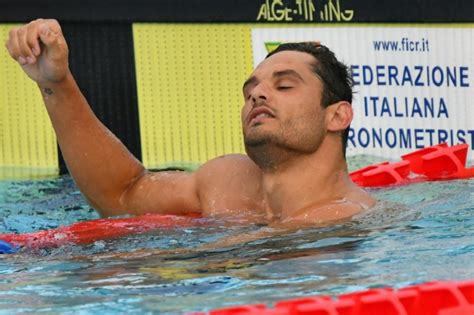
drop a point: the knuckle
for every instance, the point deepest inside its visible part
(23, 51)
(54, 24)
(31, 41)
(9, 46)
(34, 23)
(31, 25)
(52, 21)
(24, 48)
(13, 31)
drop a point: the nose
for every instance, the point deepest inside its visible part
(259, 95)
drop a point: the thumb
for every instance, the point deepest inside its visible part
(48, 36)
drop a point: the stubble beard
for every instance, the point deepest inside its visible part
(263, 150)
(270, 150)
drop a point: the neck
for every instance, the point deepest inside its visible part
(303, 181)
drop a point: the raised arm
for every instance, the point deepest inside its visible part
(106, 172)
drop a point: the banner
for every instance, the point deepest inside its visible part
(241, 11)
(413, 85)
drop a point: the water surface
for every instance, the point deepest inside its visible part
(418, 233)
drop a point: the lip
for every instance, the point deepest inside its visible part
(257, 111)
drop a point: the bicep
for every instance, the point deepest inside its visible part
(162, 192)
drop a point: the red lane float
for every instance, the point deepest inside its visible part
(438, 162)
(88, 232)
(434, 298)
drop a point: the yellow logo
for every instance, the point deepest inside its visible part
(303, 11)
(271, 46)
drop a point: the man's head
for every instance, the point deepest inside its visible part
(299, 94)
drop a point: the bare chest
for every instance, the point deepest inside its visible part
(236, 198)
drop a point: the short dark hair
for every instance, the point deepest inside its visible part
(335, 75)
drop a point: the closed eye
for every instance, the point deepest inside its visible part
(284, 87)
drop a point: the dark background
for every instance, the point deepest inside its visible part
(227, 10)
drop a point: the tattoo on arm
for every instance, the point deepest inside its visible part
(48, 91)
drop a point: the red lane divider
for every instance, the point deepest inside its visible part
(438, 162)
(382, 174)
(433, 298)
(88, 232)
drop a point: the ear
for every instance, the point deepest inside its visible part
(338, 116)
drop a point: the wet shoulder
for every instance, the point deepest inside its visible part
(230, 165)
(229, 182)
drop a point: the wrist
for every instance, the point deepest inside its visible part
(49, 88)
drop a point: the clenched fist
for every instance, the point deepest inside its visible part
(41, 50)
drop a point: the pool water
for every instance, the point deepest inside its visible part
(417, 233)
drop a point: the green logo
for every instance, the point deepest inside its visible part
(271, 46)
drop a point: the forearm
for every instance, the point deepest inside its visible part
(100, 164)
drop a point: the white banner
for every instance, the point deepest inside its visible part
(413, 85)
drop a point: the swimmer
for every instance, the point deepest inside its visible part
(295, 118)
